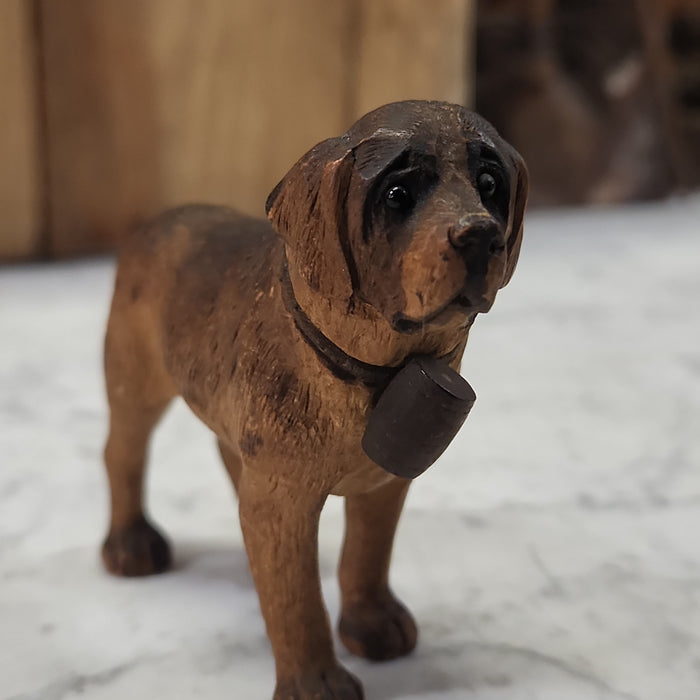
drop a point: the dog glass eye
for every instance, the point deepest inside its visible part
(487, 185)
(398, 197)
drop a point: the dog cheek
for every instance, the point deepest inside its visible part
(379, 277)
(384, 292)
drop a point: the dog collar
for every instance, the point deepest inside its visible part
(342, 365)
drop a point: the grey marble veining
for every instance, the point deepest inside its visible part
(553, 553)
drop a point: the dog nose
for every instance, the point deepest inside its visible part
(476, 233)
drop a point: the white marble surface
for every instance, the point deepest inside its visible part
(552, 554)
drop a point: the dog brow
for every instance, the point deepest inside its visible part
(376, 153)
(484, 150)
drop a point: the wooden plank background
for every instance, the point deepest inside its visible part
(180, 101)
(412, 49)
(150, 103)
(20, 176)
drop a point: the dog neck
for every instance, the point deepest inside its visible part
(357, 343)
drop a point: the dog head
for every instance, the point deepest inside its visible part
(417, 211)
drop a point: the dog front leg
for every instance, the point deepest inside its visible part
(373, 623)
(280, 529)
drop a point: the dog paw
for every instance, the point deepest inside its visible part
(136, 550)
(333, 684)
(378, 630)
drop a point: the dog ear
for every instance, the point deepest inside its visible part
(308, 210)
(516, 215)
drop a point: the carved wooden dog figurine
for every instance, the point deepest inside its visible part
(392, 238)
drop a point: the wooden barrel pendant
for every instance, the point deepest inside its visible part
(417, 416)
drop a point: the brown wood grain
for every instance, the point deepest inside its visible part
(168, 101)
(20, 181)
(151, 104)
(410, 49)
(290, 350)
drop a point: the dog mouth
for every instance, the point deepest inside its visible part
(463, 304)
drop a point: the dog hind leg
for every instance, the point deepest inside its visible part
(138, 391)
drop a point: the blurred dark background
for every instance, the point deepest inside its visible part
(114, 109)
(602, 97)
